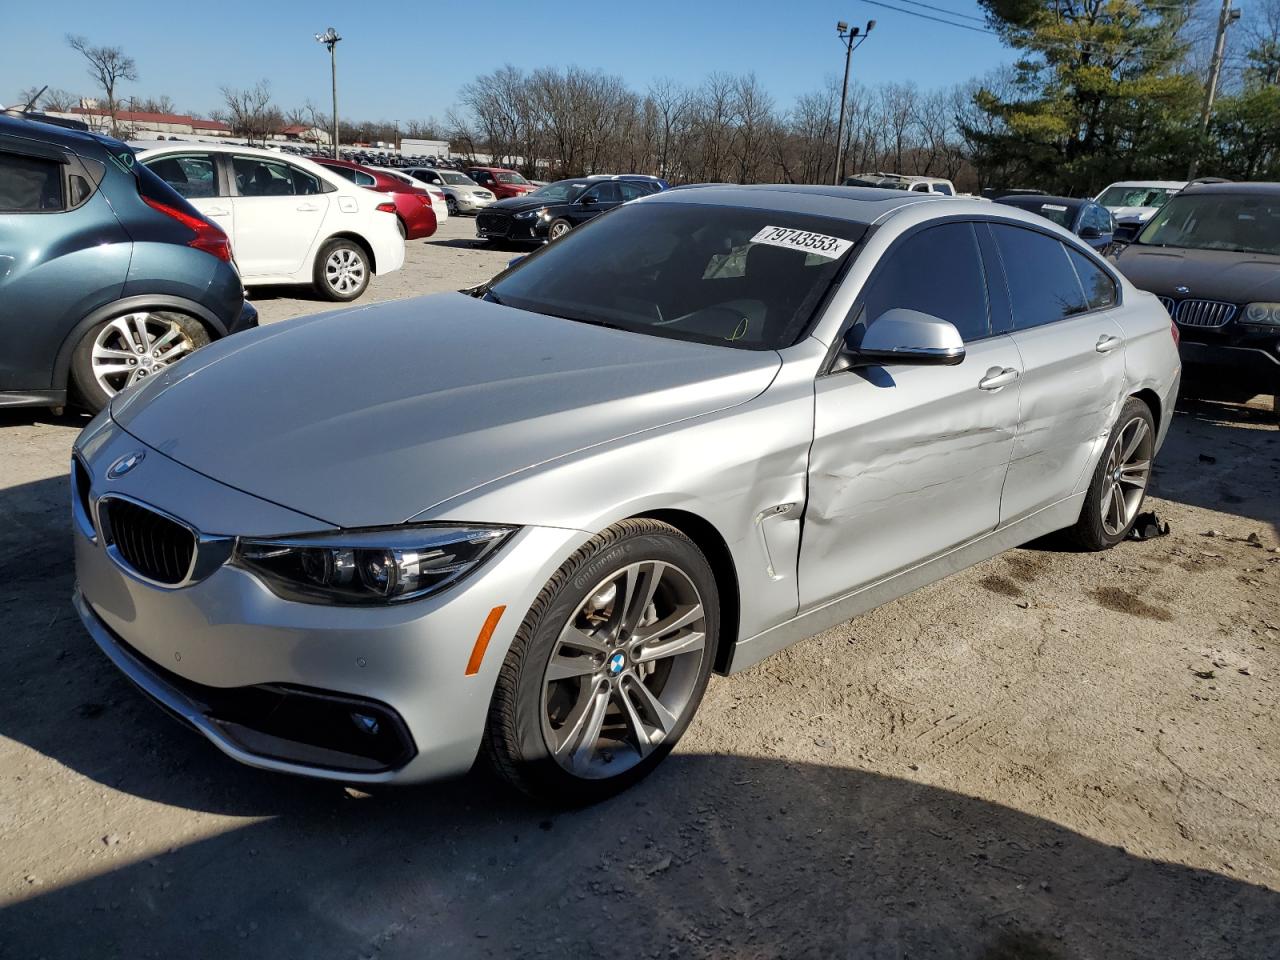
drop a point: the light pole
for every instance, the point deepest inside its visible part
(850, 40)
(330, 39)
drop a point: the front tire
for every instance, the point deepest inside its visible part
(342, 271)
(452, 205)
(124, 350)
(608, 668)
(558, 229)
(1120, 481)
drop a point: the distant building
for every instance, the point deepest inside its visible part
(302, 133)
(142, 125)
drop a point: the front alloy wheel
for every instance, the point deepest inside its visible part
(624, 669)
(608, 668)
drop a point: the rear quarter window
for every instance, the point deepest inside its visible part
(30, 184)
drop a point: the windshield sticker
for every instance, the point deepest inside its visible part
(1053, 206)
(791, 239)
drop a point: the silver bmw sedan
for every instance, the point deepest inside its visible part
(528, 520)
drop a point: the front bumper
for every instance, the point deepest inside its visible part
(204, 650)
(1250, 368)
(496, 226)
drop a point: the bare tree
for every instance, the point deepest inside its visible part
(250, 112)
(108, 66)
(160, 104)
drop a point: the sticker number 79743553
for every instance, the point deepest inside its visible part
(792, 239)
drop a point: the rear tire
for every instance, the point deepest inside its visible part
(128, 348)
(608, 668)
(1120, 481)
(452, 204)
(342, 271)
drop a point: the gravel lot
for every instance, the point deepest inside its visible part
(1052, 755)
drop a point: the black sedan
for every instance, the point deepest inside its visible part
(1089, 221)
(1212, 256)
(550, 212)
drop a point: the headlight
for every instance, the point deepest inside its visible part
(528, 214)
(386, 565)
(1268, 313)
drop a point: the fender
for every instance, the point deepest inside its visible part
(159, 301)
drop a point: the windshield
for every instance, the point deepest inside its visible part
(457, 179)
(1245, 223)
(735, 277)
(509, 176)
(560, 190)
(1136, 196)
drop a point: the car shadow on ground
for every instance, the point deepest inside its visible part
(713, 856)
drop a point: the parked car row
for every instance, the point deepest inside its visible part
(549, 212)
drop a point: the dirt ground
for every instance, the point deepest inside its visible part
(1051, 756)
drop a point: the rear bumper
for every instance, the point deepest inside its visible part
(247, 320)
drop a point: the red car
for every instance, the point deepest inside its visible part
(413, 205)
(503, 182)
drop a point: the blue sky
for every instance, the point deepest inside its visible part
(402, 61)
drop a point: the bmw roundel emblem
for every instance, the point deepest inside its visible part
(1182, 289)
(616, 663)
(125, 464)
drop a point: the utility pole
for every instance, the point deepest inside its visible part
(1227, 17)
(847, 40)
(330, 39)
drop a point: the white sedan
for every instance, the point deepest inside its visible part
(290, 220)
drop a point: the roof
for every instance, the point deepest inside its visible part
(144, 116)
(1040, 199)
(1165, 184)
(858, 204)
(33, 129)
(1256, 189)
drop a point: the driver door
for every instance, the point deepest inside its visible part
(601, 197)
(908, 462)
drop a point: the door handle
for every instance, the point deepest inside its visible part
(308, 207)
(1106, 343)
(998, 377)
(218, 212)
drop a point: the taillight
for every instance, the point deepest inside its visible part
(386, 207)
(1177, 337)
(208, 237)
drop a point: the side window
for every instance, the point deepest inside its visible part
(304, 184)
(345, 173)
(1042, 282)
(192, 176)
(1099, 289)
(257, 177)
(632, 191)
(604, 193)
(30, 184)
(937, 271)
(363, 179)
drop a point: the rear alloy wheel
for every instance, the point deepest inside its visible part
(125, 350)
(558, 229)
(608, 669)
(1120, 481)
(342, 270)
(452, 204)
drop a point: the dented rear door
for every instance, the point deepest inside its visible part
(907, 462)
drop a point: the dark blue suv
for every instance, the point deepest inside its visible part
(106, 274)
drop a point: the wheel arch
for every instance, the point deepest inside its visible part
(714, 547)
(1152, 400)
(358, 240)
(62, 365)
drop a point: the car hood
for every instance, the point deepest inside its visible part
(518, 204)
(369, 416)
(1206, 274)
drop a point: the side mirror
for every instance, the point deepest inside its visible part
(588, 200)
(1090, 233)
(907, 337)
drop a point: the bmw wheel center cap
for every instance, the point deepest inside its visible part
(616, 663)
